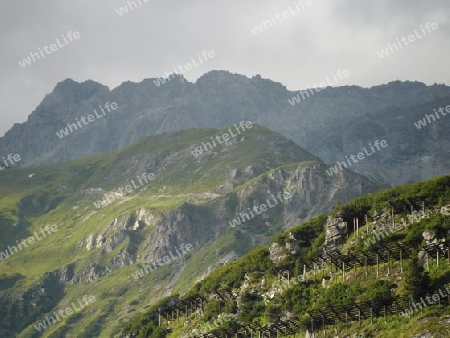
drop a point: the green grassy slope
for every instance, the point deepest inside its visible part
(262, 298)
(63, 195)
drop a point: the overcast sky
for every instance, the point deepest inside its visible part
(301, 49)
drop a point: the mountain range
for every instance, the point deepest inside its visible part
(157, 198)
(113, 199)
(333, 123)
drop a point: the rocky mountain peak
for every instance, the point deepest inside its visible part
(70, 91)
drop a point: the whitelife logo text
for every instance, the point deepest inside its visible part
(259, 209)
(90, 118)
(122, 191)
(265, 24)
(30, 240)
(391, 48)
(221, 139)
(423, 123)
(181, 69)
(129, 7)
(185, 248)
(12, 159)
(64, 313)
(361, 156)
(436, 299)
(49, 49)
(304, 94)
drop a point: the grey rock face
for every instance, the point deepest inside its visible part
(332, 124)
(430, 236)
(335, 233)
(277, 253)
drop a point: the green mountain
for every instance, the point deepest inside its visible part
(378, 266)
(89, 243)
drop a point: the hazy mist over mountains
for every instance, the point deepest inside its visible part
(216, 169)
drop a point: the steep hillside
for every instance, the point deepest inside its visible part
(378, 266)
(331, 123)
(124, 229)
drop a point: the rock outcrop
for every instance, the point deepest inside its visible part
(336, 231)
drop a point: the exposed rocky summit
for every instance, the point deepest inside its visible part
(320, 123)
